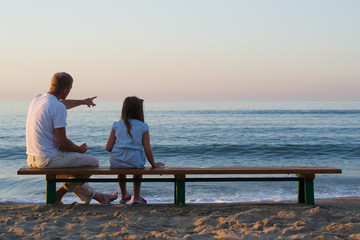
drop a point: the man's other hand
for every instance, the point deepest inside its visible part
(83, 148)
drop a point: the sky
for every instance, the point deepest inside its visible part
(183, 50)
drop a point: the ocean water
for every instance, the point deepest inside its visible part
(206, 133)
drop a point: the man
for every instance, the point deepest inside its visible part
(47, 145)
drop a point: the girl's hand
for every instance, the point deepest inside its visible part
(158, 164)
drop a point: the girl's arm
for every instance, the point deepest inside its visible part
(148, 151)
(111, 141)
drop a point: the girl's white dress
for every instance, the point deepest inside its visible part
(127, 153)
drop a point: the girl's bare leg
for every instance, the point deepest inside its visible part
(137, 186)
(124, 194)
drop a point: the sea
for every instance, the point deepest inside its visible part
(206, 133)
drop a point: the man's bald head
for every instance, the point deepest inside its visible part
(60, 81)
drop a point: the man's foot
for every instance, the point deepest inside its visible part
(108, 198)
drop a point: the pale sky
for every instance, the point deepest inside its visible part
(183, 50)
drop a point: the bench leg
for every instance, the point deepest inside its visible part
(309, 192)
(306, 189)
(301, 191)
(50, 189)
(179, 189)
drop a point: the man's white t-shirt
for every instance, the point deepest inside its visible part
(45, 114)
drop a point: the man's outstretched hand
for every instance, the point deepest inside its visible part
(90, 102)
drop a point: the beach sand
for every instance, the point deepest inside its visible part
(328, 219)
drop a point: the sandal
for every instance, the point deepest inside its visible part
(141, 201)
(124, 201)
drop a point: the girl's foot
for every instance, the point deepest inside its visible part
(124, 201)
(141, 201)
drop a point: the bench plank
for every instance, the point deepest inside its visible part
(102, 170)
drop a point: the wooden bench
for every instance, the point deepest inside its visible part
(304, 175)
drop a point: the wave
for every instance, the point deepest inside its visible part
(12, 152)
(349, 150)
(260, 149)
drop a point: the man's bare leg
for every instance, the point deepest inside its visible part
(59, 195)
(105, 198)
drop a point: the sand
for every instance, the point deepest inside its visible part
(328, 219)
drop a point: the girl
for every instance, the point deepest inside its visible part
(127, 138)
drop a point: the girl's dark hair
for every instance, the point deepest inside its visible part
(132, 109)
